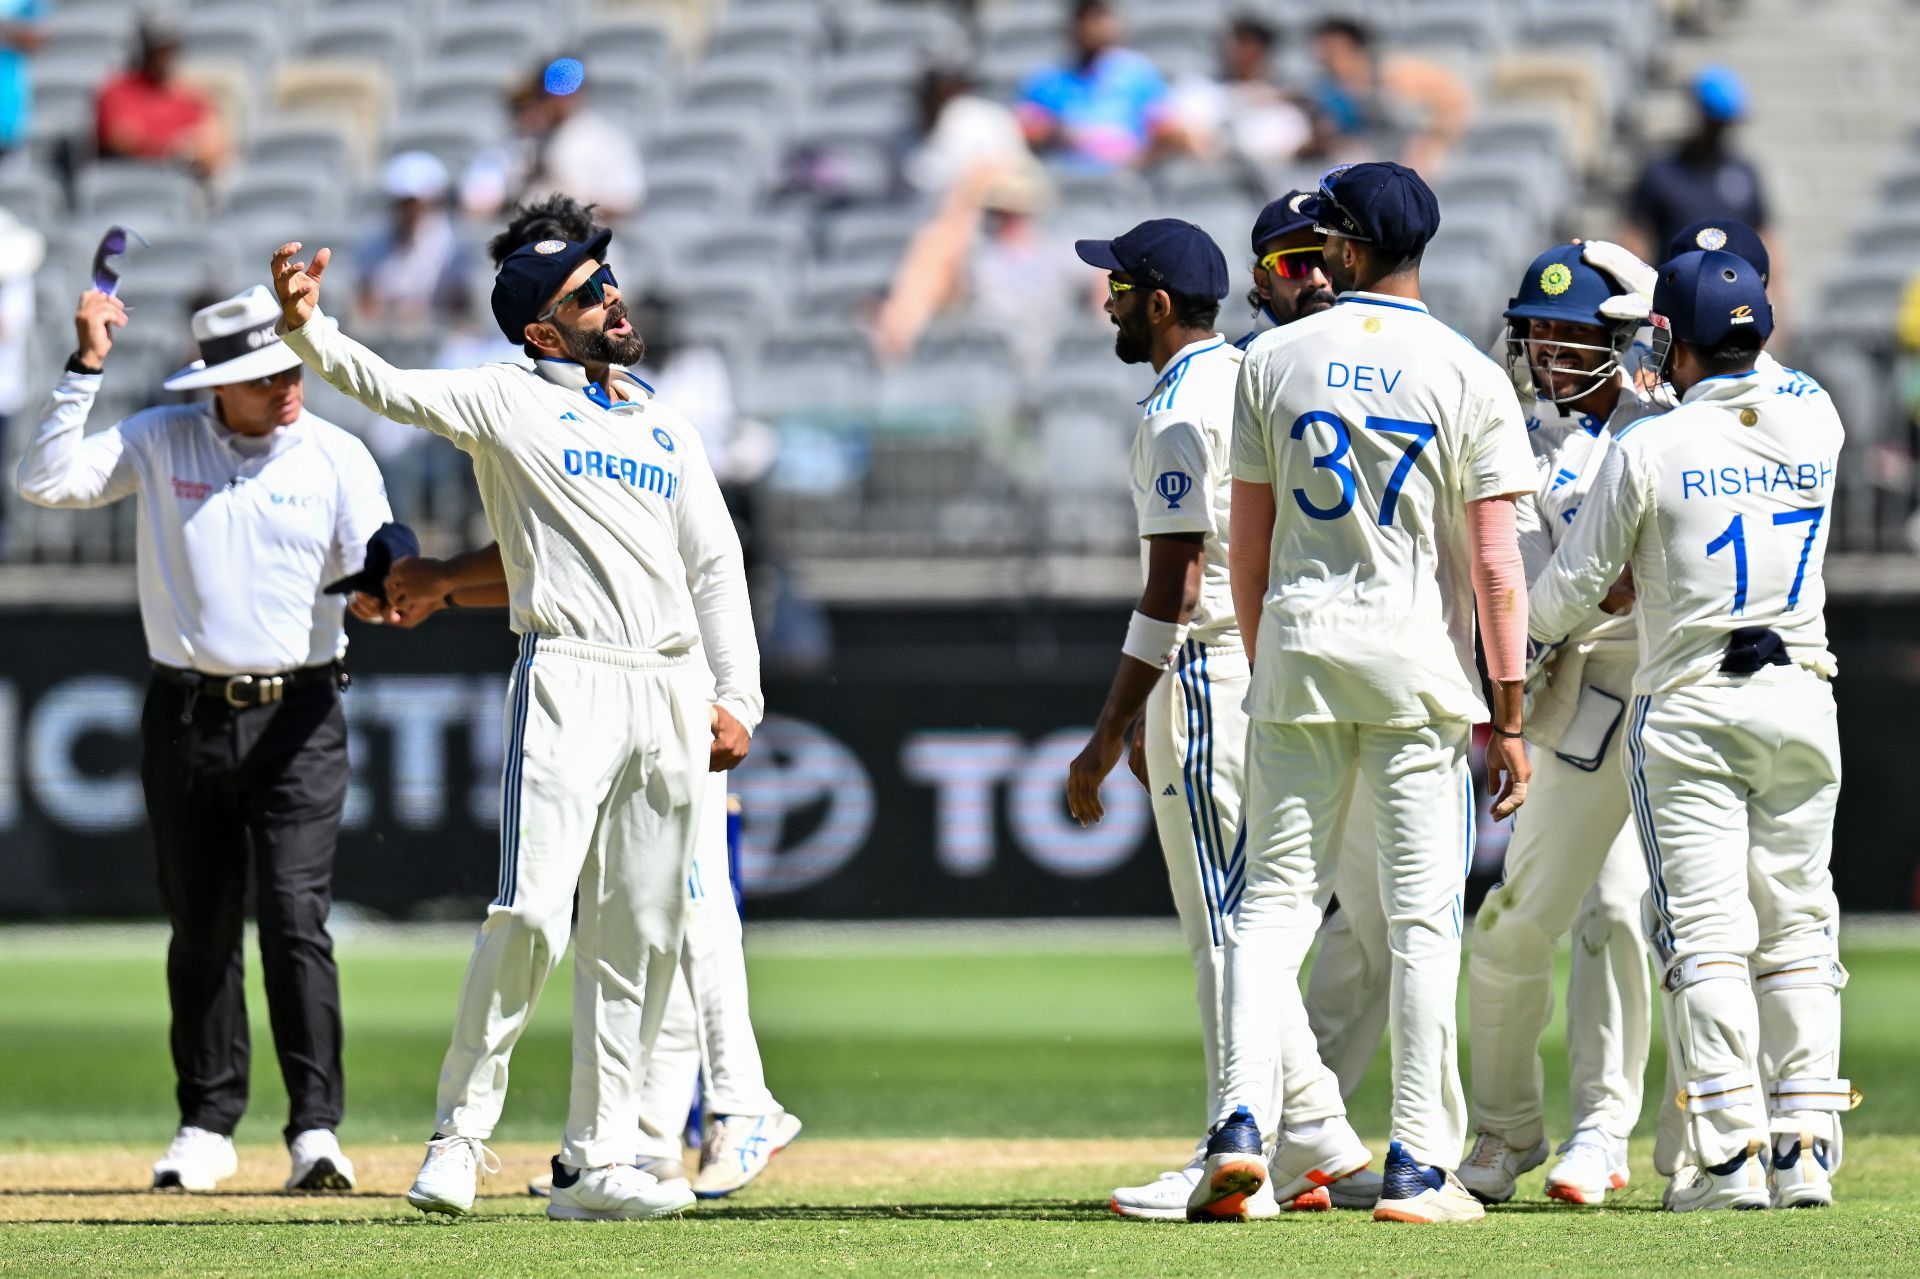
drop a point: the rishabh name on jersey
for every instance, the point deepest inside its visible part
(1375, 424)
(1721, 507)
(1576, 446)
(1180, 478)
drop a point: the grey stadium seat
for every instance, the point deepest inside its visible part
(139, 195)
(905, 32)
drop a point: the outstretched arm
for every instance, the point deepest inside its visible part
(62, 465)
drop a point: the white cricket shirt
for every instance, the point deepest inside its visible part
(237, 534)
(1721, 506)
(1375, 424)
(1180, 478)
(611, 525)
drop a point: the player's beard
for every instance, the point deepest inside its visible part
(597, 346)
(1134, 341)
(1304, 303)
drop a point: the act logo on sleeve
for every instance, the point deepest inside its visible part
(1173, 486)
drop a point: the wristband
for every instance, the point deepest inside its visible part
(76, 365)
(1153, 641)
(1501, 732)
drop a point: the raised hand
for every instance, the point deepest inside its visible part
(297, 284)
(99, 315)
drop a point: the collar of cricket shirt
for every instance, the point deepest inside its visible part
(573, 375)
(1727, 386)
(1176, 367)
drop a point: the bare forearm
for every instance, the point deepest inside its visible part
(1508, 698)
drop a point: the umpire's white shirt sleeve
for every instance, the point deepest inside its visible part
(63, 466)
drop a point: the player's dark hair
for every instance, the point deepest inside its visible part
(558, 217)
(1193, 312)
(1346, 28)
(1085, 8)
(1247, 27)
(1732, 354)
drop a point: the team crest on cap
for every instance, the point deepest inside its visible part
(549, 246)
(1556, 279)
(1298, 200)
(1711, 238)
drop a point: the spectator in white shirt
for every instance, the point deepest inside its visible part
(559, 144)
(413, 274)
(1241, 113)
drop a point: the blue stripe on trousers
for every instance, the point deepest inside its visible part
(510, 776)
(1222, 860)
(1643, 818)
(1190, 774)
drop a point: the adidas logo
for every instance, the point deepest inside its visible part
(1169, 790)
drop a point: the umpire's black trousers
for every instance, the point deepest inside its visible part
(228, 789)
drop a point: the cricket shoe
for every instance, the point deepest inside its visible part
(1740, 1183)
(618, 1192)
(1165, 1197)
(1234, 1170)
(1312, 1160)
(450, 1175)
(195, 1160)
(660, 1169)
(738, 1148)
(1494, 1166)
(1801, 1175)
(1361, 1190)
(318, 1163)
(1589, 1166)
(1422, 1193)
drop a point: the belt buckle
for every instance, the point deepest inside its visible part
(269, 689)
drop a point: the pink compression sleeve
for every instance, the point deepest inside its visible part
(1499, 586)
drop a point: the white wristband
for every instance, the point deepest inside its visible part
(1153, 641)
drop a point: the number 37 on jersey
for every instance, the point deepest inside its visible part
(1318, 428)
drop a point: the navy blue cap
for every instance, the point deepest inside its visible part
(1280, 218)
(1381, 203)
(1166, 253)
(1706, 296)
(1736, 238)
(533, 273)
(390, 542)
(1559, 285)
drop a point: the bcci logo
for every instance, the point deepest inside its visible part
(1556, 279)
(1711, 238)
(1173, 486)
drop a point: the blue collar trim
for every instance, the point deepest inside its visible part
(1374, 299)
(1180, 364)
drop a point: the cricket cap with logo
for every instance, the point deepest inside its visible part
(1736, 238)
(1704, 297)
(1380, 203)
(1282, 217)
(1165, 253)
(239, 341)
(1559, 285)
(533, 273)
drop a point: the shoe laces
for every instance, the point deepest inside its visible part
(470, 1150)
(1489, 1151)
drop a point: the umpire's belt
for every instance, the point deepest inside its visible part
(245, 691)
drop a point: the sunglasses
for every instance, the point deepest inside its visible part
(1294, 264)
(1115, 287)
(285, 377)
(591, 293)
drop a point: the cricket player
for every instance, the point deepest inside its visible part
(624, 573)
(1376, 461)
(1719, 507)
(707, 1023)
(1165, 282)
(1574, 862)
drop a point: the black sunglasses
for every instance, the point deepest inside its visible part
(591, 292)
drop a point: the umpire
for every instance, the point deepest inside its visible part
(248, 504)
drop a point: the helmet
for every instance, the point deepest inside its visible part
(1560, 285)
(1705, 297)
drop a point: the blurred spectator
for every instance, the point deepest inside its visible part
(1105, 109)
(144, 113)
(1242, 113)
(694, 378)
(559, 143)
(413, 272)
(20, 35)
(986, 250)
(1703, 177)
(1376, 105)
(22, 249)
(1907, 387)
(958, 132)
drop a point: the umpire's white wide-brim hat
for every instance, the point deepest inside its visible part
(238, 342)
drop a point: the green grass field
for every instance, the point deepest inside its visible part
(969, 1102)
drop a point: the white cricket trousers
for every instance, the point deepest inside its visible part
(606, 762)
(707, 1021)
(1299, 778)
(1734, 786)
(1349, 986)
(1196, 748)
(1573, 864)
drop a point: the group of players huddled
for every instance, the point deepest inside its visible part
(1633, 510)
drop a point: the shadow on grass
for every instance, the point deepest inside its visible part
(1013, 1210)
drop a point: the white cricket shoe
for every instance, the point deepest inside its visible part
(195, 1160)
(1361, 1190)
(618, 1192)
(1307, 1164)
(1423, 1194)
(318, 1163)
(660, 1169)
(738, 1148)
(1494, 1166)
(1801, 1176)
(1589, 1166)
(450, 1175)
(1165, 1197)
(1740, 1183)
